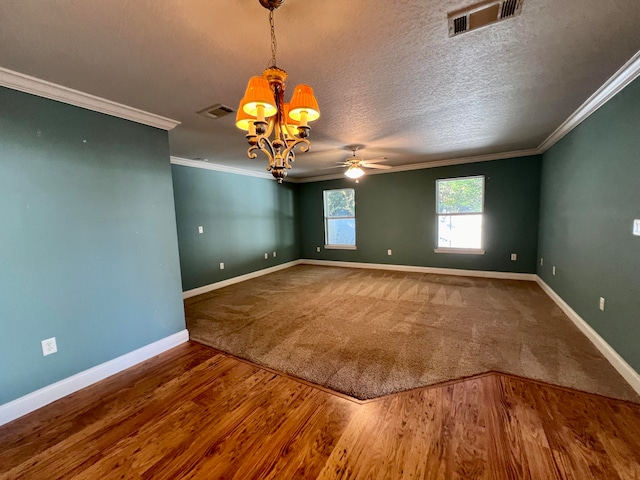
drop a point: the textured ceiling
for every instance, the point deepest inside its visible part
(386, 74)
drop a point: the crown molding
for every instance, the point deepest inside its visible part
(618, 81)
(52, 91)
(623, 77)
(35, 86)
(185, 162)
(434, 164)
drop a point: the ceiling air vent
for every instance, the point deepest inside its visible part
(459, 25)
(216, 111)
(482, 14)
(509, 8)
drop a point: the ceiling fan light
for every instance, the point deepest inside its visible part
(259, 94)
(354, 172)
(304, 100)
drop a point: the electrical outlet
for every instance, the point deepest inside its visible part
(602, 303)
(49, 346)
(318, 249)
(266, 256)
(514, 257)
(553, 271)
(221, 266)
(389, 252)
(636, 227)
(274, 254)
(200, 229)
(541, 261)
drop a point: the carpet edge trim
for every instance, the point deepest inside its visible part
(615, 359)
(33, 401)
(429, 386)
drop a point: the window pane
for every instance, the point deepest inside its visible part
(460, 231)
(340, 203)
(460, 195)
(341, 231)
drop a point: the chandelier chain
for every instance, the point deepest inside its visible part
(274, 42)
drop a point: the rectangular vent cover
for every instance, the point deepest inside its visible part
(460, 25)
(216, 111)
(482, 14)
(509, 8)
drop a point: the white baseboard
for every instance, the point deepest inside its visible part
(32, 401)
(374, 266)
(411, 268)
(628, 373)
(234, 280)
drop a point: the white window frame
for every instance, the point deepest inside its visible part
(338, 246)
(459, 251)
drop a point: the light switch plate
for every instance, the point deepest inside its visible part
(200, 229)
(636, 227)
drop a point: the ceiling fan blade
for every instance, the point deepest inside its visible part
(381, 167)
(377, 160)
(335, 167)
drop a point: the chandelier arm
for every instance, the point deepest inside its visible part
(291, 157)
(264, 144)
(250, 152)
(289, 154)
(290, 130)
(270, 126)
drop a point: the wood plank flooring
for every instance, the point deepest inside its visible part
(195, 413)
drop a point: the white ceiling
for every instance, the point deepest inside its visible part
(386, 74)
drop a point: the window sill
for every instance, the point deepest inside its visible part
(340, 247)
(461, 251)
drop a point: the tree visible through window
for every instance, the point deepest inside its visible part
(460, 204)
(340, 217)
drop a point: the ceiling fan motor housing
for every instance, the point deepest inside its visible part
(271, 4)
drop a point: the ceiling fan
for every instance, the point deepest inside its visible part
(356, 164)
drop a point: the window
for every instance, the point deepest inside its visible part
(340, 218)
(459, 205)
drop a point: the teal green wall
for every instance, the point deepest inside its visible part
(590, 196)
(88, 242)
(397, 211)
(243, 218)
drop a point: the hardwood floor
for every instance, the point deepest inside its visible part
(196, 413)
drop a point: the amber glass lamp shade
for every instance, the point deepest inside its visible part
(259, 94)
(287, 117)
(304, 106)
(244, 121)
(290, 126)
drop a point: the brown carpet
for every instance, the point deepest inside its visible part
(368, 333)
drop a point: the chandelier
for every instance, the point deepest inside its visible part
(273, 126)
